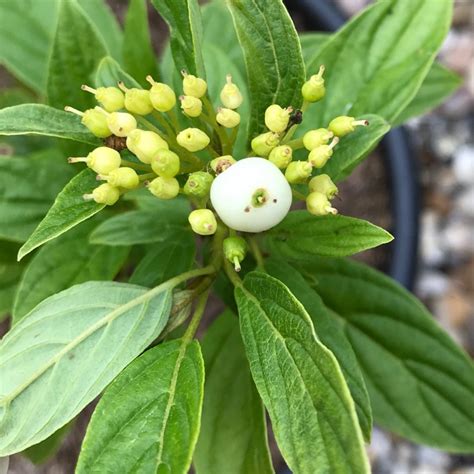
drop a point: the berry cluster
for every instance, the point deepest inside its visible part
(170, 160)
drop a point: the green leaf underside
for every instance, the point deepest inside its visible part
(37, 119)
(64, 262)
(28, 187)
(76, 51)
(79, 340)
(439, 84)
(10, 273)
(377, 62)
(68, 210)
(331, 333)
(301, 233)
(139, 57)
(299, 380)
(162, 262)
(272, 53)
(109, 73)
(353, 148)
(184, 20)
(233, 437)
(420, 383)
(148, 419)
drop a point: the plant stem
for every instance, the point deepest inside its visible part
(164, 123)
(298, 195)
(232, 274)
(256, 252)
(196, 318)
(296, 144)
(135, 166)
(147, 176)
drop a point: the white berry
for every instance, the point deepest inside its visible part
(251, 196)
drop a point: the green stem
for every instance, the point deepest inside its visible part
(295, 144)
(298, 195)
(147, 124)
(164, 123)
(233, 138)
(256, 252)
(146, 176)
(135, 166)
(174, 119)
(232, 274)
(196, 318)
(210, 117)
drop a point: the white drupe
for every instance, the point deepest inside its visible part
(252, 195)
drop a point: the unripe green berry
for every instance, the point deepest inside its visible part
(235, 249)
(323, 184)
(198, 184)
(105, 194)
(203, 222)
(281, 156)
(221, 163)
(111, 98)
(277, 118)
(193, 139)
(320, 155)
(313, 89)
(137, 101)
(231, 96)
(315, 138)
(319, 205)
(162, 96)
(166, 164)
(227, 117)
(298, 172)
(121, 123)
(122, 178)
(164, 188)
(263, 144)
(102, 160)
(344, 125)
(97, 123)
(145, 144)
(190, 105)
(193, 86)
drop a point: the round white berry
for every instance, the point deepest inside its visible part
(251, 196)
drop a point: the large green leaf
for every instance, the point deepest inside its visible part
(165, 260)
(233, 437)
(26, 32)
(76, 51)
(184, 20)
(139, 57)
(353, 148)
(68, 210)
(311, 43)
(36, 119)
(331, 333)
(109, 73)
(150, 414)
(28, 187)
(141, 227)
(377, 62)
(421, 384)
(10, 273)
(67, 350)
(439, 84)
(301, 233)
(300, 382)
(273, 58)
(65, 262)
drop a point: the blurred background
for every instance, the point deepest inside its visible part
(439, 198)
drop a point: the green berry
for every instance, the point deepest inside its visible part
(281, 156)
(277, 118)
(203, 221)
(122, 178)
(164, 188)
(191, 106)
(198, 184)
(105, 194)
(162, 97)
(137, 101)
(227, 117)
(263, 144)
(97, 123)
(102, 160)
(320, 155)
(145, 144)
(193, 86)
(165, 163)
(319, 205)
(235, 250)
(313, 89)
(344, 125)
(193, 139)
(121, 123)
(231, 96)
(298, 172)
(222, 163)
(315, 138)
(323, 184)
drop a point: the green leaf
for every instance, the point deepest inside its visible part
(353, 148)
(28, 187)
(69, 209)
(331, 333)
(375, 63)
(67, 350)
(438, 85)
(77, 49)
(311, 44)
(65, 262)
(273, 58)
(106, 25)
(139, 57)
(140, 227)
(233, 437)
(162, 262)
(36, 119)
(421, 384)
(10, 273)
(150, 414)
(301, 234)
(300, 382)
(184, 21)
(26, 33)
(109, 73)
